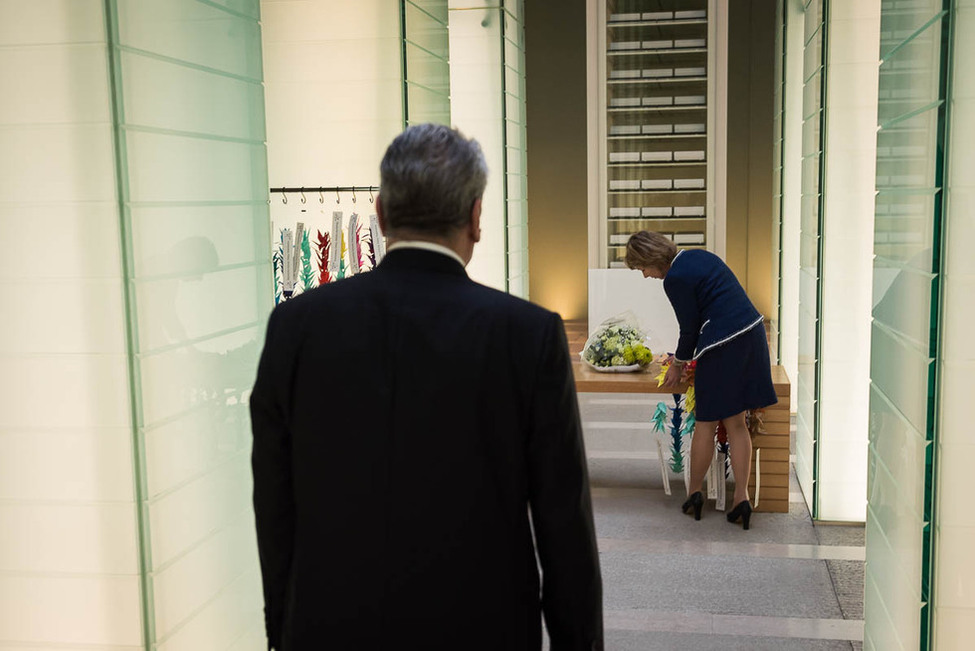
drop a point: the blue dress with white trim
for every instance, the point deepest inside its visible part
(722, 330)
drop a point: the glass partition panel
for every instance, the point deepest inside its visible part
(426, 64)
(192, 171)
(953, 611)
(516, 158)
(907, 237)
(810, 246)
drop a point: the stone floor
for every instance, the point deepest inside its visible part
(672, 583)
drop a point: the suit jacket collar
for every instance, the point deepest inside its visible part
(422, 259)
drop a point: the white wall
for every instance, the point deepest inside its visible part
(846, 270)
(333, 92)
(954, 598)
(476, 109)
(69, 560)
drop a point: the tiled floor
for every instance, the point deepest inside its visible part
(672, 583)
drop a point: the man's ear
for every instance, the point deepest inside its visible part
(476, 221)
(380, 216)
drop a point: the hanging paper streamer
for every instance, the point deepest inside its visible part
(378, 243)
(368, 253)
(323, 254)
(335, 257)
(354, 244)
(289, 268)
(362, 242)
(278, 259)
(676, 436)
(307, 275)
(296, 257)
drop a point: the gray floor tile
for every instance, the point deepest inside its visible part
(852, 534)
(848, 577)
(672, 583)
(622, 512)
(718, 585)
(656, 641)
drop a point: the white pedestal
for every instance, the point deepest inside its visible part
(612, 291)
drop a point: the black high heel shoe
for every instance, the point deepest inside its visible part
(743, 511)
(695, 501)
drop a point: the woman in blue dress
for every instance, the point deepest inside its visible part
(725, 334)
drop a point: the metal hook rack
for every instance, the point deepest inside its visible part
(338, 190)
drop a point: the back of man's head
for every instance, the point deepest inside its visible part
(431, 176)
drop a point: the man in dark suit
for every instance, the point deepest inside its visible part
(406, 421)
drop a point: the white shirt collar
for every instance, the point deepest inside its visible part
(427, 246)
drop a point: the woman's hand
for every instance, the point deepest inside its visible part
(674, 372)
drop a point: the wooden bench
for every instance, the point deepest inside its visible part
(771, 448)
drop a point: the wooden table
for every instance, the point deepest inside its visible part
(771, 448)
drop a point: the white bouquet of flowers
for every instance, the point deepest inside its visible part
(618, 346)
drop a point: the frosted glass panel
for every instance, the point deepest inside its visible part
(200, 107)
(171, 168)
(426, 29)
(193, 32)
(907, 235)
(485, 60)
(897, 448)
(195, 512)
(192, 445)
(250, 8)
(425, 54)
(194, 188)
(954, 573)
(515, 138)
(188, 241)
(427, 70)
(219, 623)
(169, 311)
(902, 233)
(427, 105)
(902, 24)
(807, 390)
(436, 8)
(208, 376)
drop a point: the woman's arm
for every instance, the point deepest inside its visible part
(683, 299)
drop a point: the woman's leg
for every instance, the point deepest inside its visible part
(740, 444)
(702, 451)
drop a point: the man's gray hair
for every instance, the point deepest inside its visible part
(431, 176)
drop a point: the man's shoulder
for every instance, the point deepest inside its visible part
(509, 304)
(306, 301)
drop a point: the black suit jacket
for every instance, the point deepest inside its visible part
(405, 422)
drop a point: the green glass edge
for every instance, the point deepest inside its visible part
(139, 470)
(504, 148)
(784, 26)
(403, 68)
(821, 205)
(937, 310)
